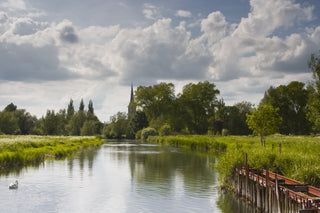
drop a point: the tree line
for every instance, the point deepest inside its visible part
(68, 121)
(196, 110)
(292, 109)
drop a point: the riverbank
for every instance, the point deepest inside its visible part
(296, 157)
(18, 151)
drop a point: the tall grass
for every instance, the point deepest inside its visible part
(18, 151)
(299, 158)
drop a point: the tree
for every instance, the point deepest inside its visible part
(291, 100)
(313, 114)
(199, 101)
(88, 128)
(265, 120)
(90, 107)
(236, 120)
(10, 108)
(9, 123)
(156, 101)
(137, 122)
(75, 124)
(81, 106)
(70, 110)
(50, 123)
(117, 128)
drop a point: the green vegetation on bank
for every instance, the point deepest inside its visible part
(18, 151)
(298, 158)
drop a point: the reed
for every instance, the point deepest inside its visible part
(296, 157)
(18, 151)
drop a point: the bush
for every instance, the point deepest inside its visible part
(225, 132)
(146, 132)
(165, 130)
(138, 134)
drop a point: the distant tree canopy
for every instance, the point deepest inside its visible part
(65, 122)
(292, 101)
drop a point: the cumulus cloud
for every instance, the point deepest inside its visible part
(159, 51)
(151, 11)
(27, 63)
(183, 13)
(13, 5)
(252, 49)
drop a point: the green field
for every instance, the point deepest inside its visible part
(299, 158)
(18, 151)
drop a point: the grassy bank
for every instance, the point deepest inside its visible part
(299, 158)
(18, 151)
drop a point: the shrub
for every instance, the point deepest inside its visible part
(149, 131)
(138, 134)
(225, 132)
(165, 130)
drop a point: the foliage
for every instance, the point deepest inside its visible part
(156, 100)
(165, 130)
(314, 93)
(118, 126)
(298, 158)
(291, 100)
(18, 151)
(198, 101)
(263, 121)
(149, 131)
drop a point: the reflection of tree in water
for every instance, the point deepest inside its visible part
(86, 155)
(163, 165)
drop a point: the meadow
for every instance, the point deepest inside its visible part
(296, 157)
(18, 151)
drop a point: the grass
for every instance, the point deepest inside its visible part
(18, 151)
(299, 158)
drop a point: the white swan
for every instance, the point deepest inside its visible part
(13, 185)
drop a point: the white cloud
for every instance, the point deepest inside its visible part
(96, 61)
(13, 5)
(151, 12)
(183, 13)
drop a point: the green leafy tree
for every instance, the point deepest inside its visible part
(88, 128)
(156, 101)
(90, 107)
(75, 124)
(137, 122)
(70, 110)
(9, 123)
(10, 108)
(292, 101)
(199, 101)
(263, 121)
(236, 121)
(117, 128)
(50, 123)
(81, 106)
(313, 114)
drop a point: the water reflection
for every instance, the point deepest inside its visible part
(120, 177)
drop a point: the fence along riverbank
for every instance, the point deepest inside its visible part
(271, 192)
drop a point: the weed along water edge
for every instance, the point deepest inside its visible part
(293, 157)
(19, 151)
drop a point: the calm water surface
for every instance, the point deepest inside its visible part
(120, 177)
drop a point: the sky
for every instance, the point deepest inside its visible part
(54, 51)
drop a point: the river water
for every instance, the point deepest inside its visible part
(120, 177)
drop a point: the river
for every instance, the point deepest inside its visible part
(120, 177)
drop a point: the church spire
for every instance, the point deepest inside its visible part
(132, 96)
(132, 106)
